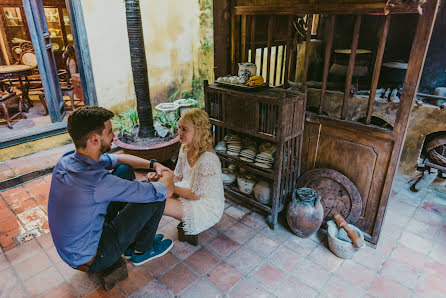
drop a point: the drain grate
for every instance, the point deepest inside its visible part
(27, 236)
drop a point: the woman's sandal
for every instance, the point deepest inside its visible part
(191, 239)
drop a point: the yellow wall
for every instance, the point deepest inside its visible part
(171, 34)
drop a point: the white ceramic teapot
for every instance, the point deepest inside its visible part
(246, 70)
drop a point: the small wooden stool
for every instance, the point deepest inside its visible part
(191, 239)
(113, 274)
(7, 101)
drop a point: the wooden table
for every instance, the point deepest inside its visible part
(8, 72)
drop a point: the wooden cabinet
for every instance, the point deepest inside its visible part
(271, 115)
(16, 28)
(14, 24)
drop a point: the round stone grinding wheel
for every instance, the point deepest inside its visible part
(338, 193)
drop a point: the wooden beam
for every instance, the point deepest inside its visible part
(351, 65)
(307, 48)
(377, 68)
(360, 8)
(328, 49)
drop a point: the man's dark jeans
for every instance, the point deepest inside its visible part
(124, 224)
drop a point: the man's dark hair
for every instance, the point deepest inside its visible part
(85, 121)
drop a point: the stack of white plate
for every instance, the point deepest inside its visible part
(248, 154)
(264, 160)
(233, 145)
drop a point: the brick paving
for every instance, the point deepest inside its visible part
(238, 257)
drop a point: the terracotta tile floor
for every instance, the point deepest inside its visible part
(239, 257)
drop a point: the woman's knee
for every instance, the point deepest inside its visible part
(174, 208)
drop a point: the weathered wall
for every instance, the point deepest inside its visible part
(172, 41)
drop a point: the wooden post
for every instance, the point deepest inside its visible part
(377, 69)
(307, 48)
(221, 37)
(351, 65)
(275, 64)
(328, 49)
(243, 37)
(269, 43)
(288, 51)
(253, 39)
(235, 42)
(418, 52)
(282, 65)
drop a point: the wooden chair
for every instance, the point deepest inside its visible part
(9, 101)
(70, 66)
(24, 54)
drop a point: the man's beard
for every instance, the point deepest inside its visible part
(104, 147)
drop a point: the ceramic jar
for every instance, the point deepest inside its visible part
(246, 70)
(262, 192)
(246, 183)
(305, 212)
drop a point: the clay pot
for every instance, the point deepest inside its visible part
(305, 212)
(262, 192)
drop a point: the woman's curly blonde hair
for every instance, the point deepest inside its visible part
(203, 137)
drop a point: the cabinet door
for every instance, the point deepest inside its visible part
(67, 27)
(15, 25)
(54, 28)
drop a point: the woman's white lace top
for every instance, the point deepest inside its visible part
(205, 181)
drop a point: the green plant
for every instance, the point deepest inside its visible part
(173, 95)
(126, 122)
(167, 120)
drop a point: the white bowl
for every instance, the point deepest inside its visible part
(167, 107)
(228, 176)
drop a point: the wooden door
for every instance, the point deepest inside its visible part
(47, 65)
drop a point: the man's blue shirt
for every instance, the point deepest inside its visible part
(81, 190)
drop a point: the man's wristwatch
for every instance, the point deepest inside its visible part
(152, 163)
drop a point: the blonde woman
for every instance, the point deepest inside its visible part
(198, 195)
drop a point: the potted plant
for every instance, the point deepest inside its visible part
(144, 142)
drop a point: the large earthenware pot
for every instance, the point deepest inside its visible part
(305, 212)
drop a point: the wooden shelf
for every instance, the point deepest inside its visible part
(266, 173)
(263, 136)
(233, 192)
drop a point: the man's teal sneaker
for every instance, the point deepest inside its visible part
(129, 251)
(158, 249)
